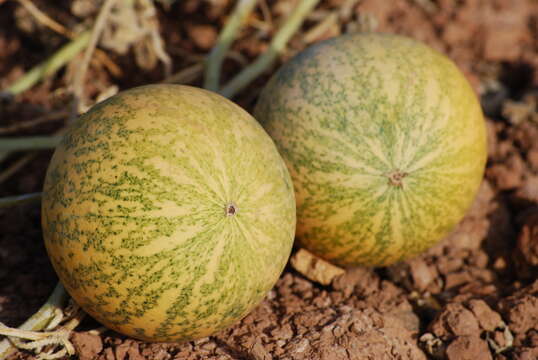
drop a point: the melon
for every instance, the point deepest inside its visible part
(385, 142)
(167, 212)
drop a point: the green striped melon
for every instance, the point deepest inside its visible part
(167, 212)
(385, 142)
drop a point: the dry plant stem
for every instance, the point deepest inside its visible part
(277, 45)
(19, 199)
(51, 65)
(346, 10)
(59, 115)
(228, 34)
(317, 31)
(44, 19)
(16, 166)
(156, 40)
(26, 143)
(187, 75)
(266, 12)
(103, 58)
(78, 82)
(60, 29)
(40, 320)
(8, 145)
(45, 343)
(29, 143)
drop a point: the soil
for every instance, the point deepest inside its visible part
(473, 296)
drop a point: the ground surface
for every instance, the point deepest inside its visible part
(474, 296)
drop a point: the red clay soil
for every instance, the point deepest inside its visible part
(473, 296)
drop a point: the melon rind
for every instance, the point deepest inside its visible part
(135, 216)
(385, 142)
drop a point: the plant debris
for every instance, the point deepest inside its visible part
(472, 296)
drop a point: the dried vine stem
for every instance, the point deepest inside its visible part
(8, 145)
(78, 82)
(47, 315)
(19, 199)
(49, 66)
(45, 19)
(16, 166)
(21, 125)
(228, 34)
(29, 143)
(26, 143)
(52, 24)
(277, 45)
(186, 75)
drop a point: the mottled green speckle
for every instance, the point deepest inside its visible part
(134, 213)
(348, 112)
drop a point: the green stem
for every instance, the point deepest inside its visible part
(29, 143)
(40, 319)
(18, 199)
(51, 65)
(226, 37)
(277, 45)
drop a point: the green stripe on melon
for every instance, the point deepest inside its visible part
(167, 212)
(385, 142)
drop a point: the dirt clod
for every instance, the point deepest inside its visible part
(521, 309)
(488, 319)
(203, 36)
(527, 243)
(473, 295)
(468, 347)
(454, 320)
(508, 175)
(422, 274)
(314, 268)
(87, 345)
(368, 338)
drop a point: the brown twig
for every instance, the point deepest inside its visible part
(104, 59)
(319, 29)
(186, 75)
(156, 39)
(43, 143)
(18, 200)
(266, 13)
(16, 166)
(30, 123)
(78, 82)
(46, 20)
